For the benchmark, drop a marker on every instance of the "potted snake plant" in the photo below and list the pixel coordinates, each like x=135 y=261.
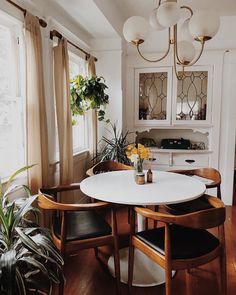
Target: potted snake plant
x=29 y=261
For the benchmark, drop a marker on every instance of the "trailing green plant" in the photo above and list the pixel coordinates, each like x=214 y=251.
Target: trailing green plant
x=114 y=147
x=29 y=261
x=88 y=93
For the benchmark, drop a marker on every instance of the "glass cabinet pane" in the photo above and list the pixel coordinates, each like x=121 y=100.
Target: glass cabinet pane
x=153 y=96
x=192 y=96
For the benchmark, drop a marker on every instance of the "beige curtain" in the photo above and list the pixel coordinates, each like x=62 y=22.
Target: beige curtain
x=37 y=135
x=63 y=110
x=93 y=140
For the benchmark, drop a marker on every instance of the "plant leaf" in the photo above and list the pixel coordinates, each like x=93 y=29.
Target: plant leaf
x=16 y=173
x=20 y=282
x=8 y=270
x=23 y=210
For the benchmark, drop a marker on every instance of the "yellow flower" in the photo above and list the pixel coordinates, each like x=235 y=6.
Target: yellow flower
x=134 y=151
x=130 y=147
x=141 y=146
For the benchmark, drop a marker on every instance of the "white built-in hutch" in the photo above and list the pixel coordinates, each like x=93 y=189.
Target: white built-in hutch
x=164 y=107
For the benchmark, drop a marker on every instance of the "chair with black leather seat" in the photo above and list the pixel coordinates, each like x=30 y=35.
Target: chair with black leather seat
x=80 y=226
x=214 y=181
x=107 y=166
x=183 y=242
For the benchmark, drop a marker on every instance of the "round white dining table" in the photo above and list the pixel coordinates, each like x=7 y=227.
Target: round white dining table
x=119 y=187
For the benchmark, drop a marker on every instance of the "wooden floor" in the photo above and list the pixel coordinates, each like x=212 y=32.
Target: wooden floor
x=87 y=276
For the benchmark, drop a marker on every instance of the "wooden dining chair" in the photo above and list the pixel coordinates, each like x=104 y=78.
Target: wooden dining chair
x=214 y=178
x=183 y=242
x=107 y=166
x=80 y=226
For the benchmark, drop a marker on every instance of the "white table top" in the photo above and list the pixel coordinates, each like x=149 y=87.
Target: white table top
x=120 y=187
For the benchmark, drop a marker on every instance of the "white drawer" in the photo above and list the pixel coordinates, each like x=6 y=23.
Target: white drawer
x=160 y=158
x=191 y=160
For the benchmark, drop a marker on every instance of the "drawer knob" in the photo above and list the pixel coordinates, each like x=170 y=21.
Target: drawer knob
x=190 y=161
x=152 y=159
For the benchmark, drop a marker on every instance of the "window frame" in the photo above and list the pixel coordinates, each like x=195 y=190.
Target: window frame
x=73 y=57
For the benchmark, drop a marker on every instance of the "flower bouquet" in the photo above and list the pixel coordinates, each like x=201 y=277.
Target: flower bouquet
x=137 y=156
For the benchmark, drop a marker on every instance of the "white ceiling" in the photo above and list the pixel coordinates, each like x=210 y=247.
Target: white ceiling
x=144 y=7
x=88 y=15
x=95 y=21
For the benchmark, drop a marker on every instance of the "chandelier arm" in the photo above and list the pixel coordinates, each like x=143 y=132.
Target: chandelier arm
x=179 y=77
x=177 y=59
x=188 y=8
x=159 y=59
x=199 y=55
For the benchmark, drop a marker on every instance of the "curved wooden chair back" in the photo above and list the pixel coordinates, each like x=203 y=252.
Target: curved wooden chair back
x=209 y=173
x=204 y=219
x=107 y=166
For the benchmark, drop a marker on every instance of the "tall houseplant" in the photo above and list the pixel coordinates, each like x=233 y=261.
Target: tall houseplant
x=114 y=147
x=88 y=93
x=29 y=261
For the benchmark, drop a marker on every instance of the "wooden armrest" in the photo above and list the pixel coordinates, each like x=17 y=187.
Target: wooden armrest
x=214 y=201
x=45 y=203
x=207 y=218
x=89 y=172
x=60 y=188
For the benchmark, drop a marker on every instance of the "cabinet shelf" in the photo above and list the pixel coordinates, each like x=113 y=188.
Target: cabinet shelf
x=180 y=151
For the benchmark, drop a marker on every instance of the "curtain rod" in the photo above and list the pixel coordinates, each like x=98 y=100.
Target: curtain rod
x=55 y=33
x=41 y=21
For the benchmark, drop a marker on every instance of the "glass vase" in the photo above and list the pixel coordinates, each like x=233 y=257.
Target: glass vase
x=138 y=172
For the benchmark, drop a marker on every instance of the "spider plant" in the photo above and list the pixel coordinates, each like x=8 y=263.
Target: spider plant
x=114 y=147
x=29 y=261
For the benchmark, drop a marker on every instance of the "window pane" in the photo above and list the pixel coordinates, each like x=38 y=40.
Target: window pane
x=80 y=130
x=12 y=155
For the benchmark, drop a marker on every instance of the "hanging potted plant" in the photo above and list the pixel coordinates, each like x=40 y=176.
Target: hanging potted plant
x=88 y=93
x=29 y=261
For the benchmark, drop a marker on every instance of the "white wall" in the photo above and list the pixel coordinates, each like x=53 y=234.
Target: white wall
x=228 y=126
x=109 y=65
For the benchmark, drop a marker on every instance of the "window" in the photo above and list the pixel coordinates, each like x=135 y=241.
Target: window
x=12 y=103
x=80 y=130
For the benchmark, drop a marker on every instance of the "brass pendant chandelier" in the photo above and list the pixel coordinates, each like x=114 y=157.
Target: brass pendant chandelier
x=199 y=26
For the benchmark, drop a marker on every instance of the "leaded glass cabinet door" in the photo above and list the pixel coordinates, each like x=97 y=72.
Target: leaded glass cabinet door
x=192 y=96
x=153 y=96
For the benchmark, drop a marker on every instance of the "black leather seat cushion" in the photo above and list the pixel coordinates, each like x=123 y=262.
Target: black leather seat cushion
x=190 y=206
x=186 y=243
x=82 y=225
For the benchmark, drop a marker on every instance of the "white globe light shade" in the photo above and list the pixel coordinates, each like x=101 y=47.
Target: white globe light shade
x=168 y=14
x=135 y=28
x=185 y=33
x=204 y=24
x=153 y=21
x=186 y=51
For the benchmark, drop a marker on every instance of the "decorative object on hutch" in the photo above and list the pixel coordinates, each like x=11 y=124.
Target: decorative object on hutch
x=199 y=26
